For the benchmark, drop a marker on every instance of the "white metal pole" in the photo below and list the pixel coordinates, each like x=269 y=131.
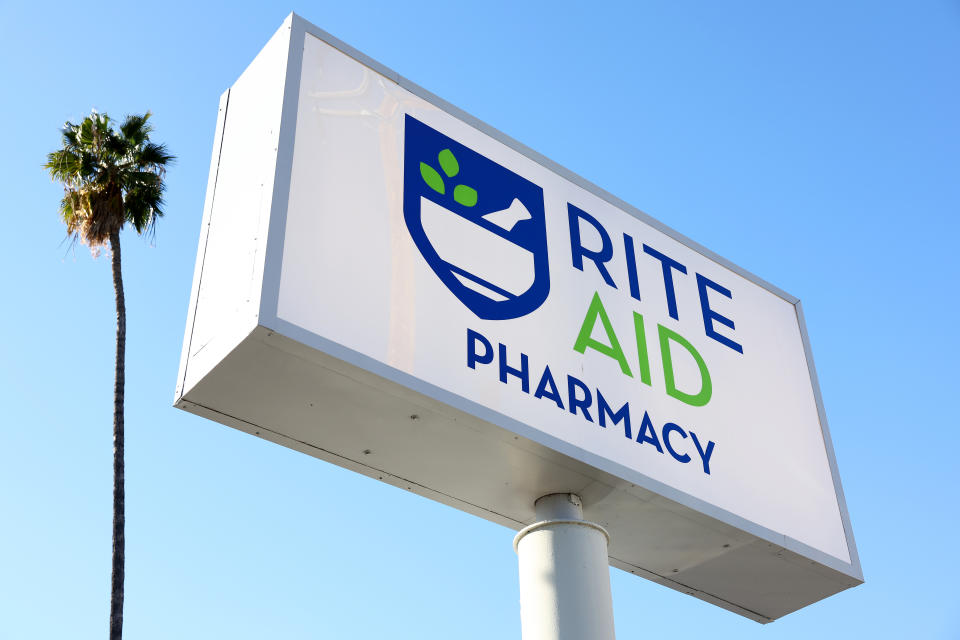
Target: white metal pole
x=564 y=574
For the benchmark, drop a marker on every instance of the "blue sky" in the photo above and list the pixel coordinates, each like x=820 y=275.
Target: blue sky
x=815 y=144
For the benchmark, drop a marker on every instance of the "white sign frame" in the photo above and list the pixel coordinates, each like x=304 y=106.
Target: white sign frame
x=241 y=322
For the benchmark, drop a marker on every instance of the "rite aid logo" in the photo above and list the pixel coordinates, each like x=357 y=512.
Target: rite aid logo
x=479 y=226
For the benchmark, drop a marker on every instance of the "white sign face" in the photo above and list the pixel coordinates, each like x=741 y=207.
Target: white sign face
x=423 y=243
x=388 y=284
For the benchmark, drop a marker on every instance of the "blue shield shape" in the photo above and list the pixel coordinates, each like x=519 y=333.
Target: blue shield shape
x=479 y=226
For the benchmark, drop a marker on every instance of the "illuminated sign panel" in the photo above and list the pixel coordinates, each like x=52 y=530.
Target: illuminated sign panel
x=390 y=285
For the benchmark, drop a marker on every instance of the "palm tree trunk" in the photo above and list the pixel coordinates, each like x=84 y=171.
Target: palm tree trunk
x=117 y=575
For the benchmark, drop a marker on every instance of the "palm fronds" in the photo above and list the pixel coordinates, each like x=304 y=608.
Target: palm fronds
x=110 y=176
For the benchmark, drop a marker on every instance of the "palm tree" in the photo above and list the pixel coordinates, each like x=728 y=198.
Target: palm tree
x=111 y=177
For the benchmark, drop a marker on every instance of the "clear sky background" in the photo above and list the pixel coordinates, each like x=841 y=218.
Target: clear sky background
x=816 y=144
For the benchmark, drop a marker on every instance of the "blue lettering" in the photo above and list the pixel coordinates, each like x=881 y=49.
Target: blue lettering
x=704 y=455
x=709 y=315
x=648 y=433
x=546 y=380
x=474 y=358
x=573 y=402
x=631 y=256
x=603 y=409
x=668 y=264
x=580 y=400
x=578 y=252
x=523 y=372
x=667 y=430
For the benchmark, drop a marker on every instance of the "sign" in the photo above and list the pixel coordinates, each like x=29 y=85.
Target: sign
x=386 y=283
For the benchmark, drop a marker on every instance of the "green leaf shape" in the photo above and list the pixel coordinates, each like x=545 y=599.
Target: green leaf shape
x=467 y=196
x=432 y=178
x=448 y=163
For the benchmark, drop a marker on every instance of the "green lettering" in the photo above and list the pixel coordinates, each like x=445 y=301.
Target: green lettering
x=706 y=387
x=642 y=348
x=585 y=340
